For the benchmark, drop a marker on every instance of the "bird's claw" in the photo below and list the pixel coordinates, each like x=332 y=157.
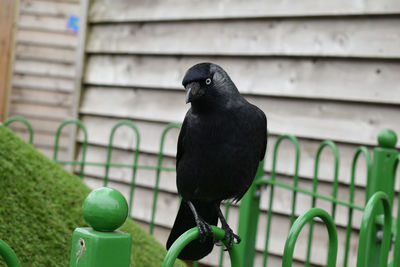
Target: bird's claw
x=232 y=237
x=204 y=229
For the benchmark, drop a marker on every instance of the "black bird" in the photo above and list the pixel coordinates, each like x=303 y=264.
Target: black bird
x=222 y=140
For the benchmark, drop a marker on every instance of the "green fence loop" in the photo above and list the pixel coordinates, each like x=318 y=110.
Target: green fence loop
x=135 y=159
x=360 y=150
x=24 y=121
x=84 y=144
x=273 y=177
x=368 y=222
x=193 y=234
x=296 y=229
x=332 y=145
x=8 y=255
x=158 y=172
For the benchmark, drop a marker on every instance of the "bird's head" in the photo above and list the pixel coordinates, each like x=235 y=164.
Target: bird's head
x=207 y=82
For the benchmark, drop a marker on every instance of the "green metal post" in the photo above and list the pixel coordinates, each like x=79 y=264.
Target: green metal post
x=396 y=252
x=105 y=209
x=248 y=219
x=381 y=179
x=8 y=255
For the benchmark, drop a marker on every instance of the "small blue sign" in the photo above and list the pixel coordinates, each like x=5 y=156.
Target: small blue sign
x=73 y=23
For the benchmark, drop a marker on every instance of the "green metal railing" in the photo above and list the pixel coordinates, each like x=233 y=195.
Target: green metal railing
x=260 y=181
x=298 y=226
x=193 y=234
x=367 y=224
x=84 y=145
x=8 y=255
x=380 y=172
x=135 y=157
x=24 y=121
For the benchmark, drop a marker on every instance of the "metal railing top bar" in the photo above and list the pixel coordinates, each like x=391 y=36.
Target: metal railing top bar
x=193 y=234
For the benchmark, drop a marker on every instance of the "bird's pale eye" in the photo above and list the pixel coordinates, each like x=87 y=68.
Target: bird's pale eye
x=208 y=81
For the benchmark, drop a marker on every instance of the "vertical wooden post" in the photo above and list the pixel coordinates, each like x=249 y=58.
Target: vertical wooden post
x=8 y=23
x=80 y=66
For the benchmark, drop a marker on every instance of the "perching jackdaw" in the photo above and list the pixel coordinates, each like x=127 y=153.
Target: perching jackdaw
x=222 y=140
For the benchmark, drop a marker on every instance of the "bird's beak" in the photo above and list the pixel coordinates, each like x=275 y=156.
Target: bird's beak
x=188 y=90
x=193 y=91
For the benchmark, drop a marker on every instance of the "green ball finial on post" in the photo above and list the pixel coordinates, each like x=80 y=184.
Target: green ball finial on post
x=387 y=138
x=105 y=209
x=101 y=245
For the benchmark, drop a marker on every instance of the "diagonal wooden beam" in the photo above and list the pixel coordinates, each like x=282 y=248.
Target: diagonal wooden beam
x=8 y=25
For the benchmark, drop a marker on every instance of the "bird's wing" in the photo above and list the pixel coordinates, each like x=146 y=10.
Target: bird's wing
x=182 y=134
x=263 y=151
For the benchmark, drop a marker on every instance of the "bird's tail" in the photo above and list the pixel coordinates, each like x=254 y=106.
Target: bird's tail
x=185 y=221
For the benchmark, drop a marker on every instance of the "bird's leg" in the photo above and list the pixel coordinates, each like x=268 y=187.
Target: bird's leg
x=204 y=228
x=228 y=231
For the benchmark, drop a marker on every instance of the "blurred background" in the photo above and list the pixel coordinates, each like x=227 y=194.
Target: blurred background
x=318 y=69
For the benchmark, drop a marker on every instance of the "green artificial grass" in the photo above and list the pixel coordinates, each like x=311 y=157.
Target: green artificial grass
x=41 y=205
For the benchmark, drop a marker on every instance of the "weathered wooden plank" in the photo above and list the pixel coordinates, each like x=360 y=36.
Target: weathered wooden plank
x=134 y=103
x=54 y=8
x=144 y=177
x=99 y=129
x=39 y=111
x=291 y=77
x=43 y=140
x=126 y=10
x=39 y=125
x=280 y=224
x=359 y=123
x=44 y=23
x=43 y=53
x=48 y=69
x=48 y=152
x=24 y=95
x=51 y=39
x=344 y=37
x=43 y=82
